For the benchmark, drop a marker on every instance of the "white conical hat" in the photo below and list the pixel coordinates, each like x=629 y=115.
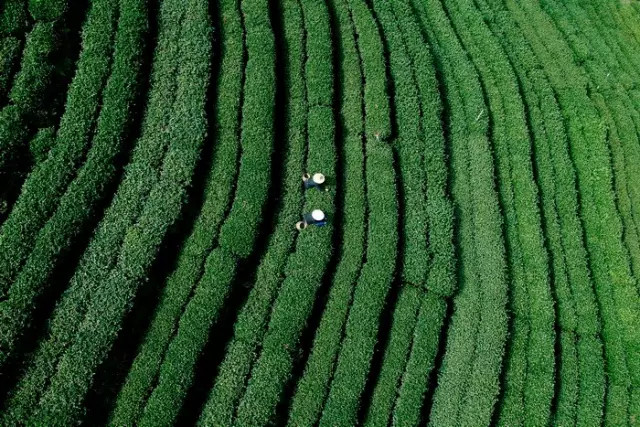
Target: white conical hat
x=317 y=214
x=318 y=178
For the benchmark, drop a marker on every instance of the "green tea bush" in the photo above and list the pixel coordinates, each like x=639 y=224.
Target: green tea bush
x=292 y=307
x=529 y=390
x=577 y=310
x=360 y=334
x=191 y=259
x=141 y=175
x=312 y=387
x=615 y=286
x=62 y=399
x=47 y=183
x=252 y=321
x=256 y=139
x=483 y=285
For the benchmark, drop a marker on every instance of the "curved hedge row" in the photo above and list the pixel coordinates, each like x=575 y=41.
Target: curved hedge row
x=616 y=109
x=483 y=286
x=252 y=321
x=87 y=189
x=609 y=99
x=13 y=130
x=376 y=103
x=407 y=376
x=29 y=97
x=36 y=68
x=273 y=367
x=353 y=358
x=626 y=15
x=141 y=175
x=421 y=362
x=14 y=18
x=47 y=10
x=239 y=231
x=361 y=329
x=178 y=367
x=107 y=306
x=441 y=272
x=302 y=280
x=41 y=144
x=614 y=284
x=610 y=25
x=292 y=306
x=191 y=259
x=396 y=356
x=312 y=387
x=581 y=373
x=614 y=81
x=624 y=118
x=441 y=280
x=410 y=150
x=529 y=383
x=318 y=68
x=10 y=48
x=47 y=183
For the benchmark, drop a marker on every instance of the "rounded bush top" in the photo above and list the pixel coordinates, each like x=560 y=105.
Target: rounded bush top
x=47 y=10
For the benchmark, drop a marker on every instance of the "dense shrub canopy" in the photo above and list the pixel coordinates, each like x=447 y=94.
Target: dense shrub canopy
x=480 y=259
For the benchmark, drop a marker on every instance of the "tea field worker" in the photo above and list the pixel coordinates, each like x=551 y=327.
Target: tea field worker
x=315 y=217
x=317 y=180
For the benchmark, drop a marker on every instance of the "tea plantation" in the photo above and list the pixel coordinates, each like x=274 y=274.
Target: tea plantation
x=320 y=212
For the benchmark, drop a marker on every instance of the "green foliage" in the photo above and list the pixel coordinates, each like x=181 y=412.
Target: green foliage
x=475 y=344
x=10 y=48
x=47 y=10
x=46 y=184
x=32 y=86
x=193 y=254
x=41 y=144
x=439 y=209
x=60 y=402
x=617 y=110
x=318 y=69
x=46 y=215
x=240 y=229
x=412 y=71
x=14 y=19
x=313 y=386
x=292 y=306
x=421 y=362
x=177 y=369
x=614 y=285
x=405 y=315
x=529 y=389
x=28 y=96
x=376 y=102
x=618 y=113
x=141 y=175
x=354 y=358
x=252 y=321
x=13 y=130
x=301 y=279
x=410 y=150
x=526 y=114
x=177 y=372
x=577 y=310
x=36 y=69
